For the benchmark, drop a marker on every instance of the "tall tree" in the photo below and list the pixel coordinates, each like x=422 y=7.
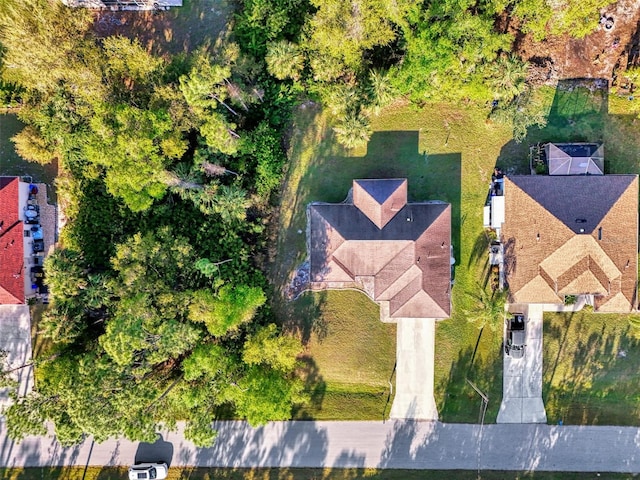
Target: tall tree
x=354 y=131
x=284 y=60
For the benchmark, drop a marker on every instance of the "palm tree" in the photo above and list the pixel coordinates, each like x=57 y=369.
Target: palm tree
x=379 y=90
x=508 y=77
x=354 y=131
x=488 y=309
x=284 y=60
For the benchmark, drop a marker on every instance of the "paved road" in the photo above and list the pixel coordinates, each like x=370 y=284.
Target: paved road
x=394 y=444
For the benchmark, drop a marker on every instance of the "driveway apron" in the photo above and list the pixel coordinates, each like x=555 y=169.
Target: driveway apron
x=522 y=377
x=414 y=370
x=15 y=343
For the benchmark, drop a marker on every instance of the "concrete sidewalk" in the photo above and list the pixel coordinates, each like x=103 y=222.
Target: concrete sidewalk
x=394 y=444
x=15 y=341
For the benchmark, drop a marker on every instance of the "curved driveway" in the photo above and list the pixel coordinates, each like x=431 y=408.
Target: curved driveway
x=394 y=444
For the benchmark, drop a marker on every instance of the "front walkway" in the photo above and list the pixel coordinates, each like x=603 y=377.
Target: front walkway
x=414 y=370
x=522 y=377
x=15 y=343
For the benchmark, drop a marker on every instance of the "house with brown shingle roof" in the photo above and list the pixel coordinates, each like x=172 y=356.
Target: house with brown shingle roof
x=572 y=235
x=397 y=252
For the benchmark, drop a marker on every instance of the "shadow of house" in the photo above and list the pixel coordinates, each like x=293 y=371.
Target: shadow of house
x=389 y=154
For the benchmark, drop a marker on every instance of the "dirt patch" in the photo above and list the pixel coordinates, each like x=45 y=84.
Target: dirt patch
x=181 y=29
x=602 y=54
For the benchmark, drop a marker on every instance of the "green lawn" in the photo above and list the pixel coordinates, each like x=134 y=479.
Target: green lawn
x=95 y=473
x=590 y=369
x=448 y=153
x=351 y=360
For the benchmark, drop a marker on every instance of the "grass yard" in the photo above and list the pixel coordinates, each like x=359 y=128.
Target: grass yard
x=352 y=360
x=97 y=473
x=590 y=369
x=448 y=153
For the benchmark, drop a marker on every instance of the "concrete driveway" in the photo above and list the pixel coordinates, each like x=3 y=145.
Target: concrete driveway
x=15 y=342
x=522 y=378
x=415 y=347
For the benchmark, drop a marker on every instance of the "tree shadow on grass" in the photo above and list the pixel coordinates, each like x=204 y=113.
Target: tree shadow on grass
x=593 y=377
x=390 y=154
x=482 y=365
x=314 y=386
x=303 y=316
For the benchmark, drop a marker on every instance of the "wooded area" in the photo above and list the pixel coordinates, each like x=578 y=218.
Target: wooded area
x=170 y=169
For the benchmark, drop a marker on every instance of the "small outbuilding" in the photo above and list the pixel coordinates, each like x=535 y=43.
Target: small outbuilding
x=575 y=158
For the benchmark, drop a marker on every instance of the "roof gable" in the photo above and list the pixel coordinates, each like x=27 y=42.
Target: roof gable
x=579 y=202
x=380 y=200
x=396 y=264
x=546 y=259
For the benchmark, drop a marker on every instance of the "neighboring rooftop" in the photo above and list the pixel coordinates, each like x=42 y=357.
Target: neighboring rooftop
x=398 y=253
x=572 y=235
x=125 y=4
x=575 y=158
x=12 y=283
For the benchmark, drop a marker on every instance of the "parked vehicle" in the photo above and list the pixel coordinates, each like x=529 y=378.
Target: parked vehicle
x=148 y=471
x=36 y=232
x=32 y=214
x=516 y=336
x=38 y=246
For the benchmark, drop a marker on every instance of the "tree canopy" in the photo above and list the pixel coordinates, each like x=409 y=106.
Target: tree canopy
x=170 y=168
x=156 y=295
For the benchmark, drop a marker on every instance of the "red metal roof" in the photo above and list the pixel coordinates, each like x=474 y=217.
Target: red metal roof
x=11 y=243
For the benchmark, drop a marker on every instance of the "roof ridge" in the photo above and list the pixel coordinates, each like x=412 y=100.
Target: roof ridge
x=410 y=245
x=412 y=284
x=335 y=260
x=409 y=274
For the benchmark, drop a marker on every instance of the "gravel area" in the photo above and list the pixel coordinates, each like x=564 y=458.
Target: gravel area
x=48 y=219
